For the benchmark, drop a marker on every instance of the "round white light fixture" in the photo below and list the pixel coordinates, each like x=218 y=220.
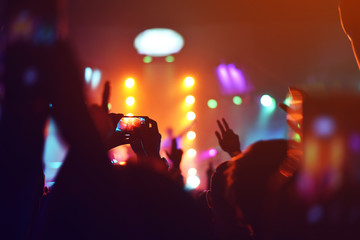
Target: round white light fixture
x=158 y=42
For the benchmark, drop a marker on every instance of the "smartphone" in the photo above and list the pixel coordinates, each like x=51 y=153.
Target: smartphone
x=128 y=124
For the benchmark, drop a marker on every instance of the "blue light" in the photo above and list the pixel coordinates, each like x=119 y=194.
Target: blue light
x=96 y=78
x=267 y=101
x=324 y=126
x=88 y=74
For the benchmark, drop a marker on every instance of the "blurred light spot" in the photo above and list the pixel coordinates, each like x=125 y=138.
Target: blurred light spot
x=192 y=171
x=114 y=161
x=192 y=182
x=130 y=101
x=122 y=163
x=50 y=105
x=315 y=214
x=212 y=103
x=88 y=74
x=147 y=59
x=191 y=153
x=212 y=152
x=50 y=184
x=191 y=135
x=129 y=114
x=354 y=142
x=109 y=106
x=267 y=101
x=189 y=82
x=191 y=116
x=54 y=164
x=96 y=78
x=324 y=126
x=237 y=100
x=30 y=77
x=190 y=100
x=169 y=59
x=129 y=83
x=158 y=42
x=297 y=137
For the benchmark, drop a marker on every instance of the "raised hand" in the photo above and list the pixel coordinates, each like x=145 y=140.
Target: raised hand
x=175 y=155
x=228 y=140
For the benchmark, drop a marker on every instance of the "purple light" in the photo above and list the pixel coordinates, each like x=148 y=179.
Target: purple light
x=232 y=79
x=354 y=142
x=238 y=78
x=212 y=152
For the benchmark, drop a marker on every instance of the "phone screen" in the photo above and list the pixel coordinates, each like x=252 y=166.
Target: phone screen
x=129 y=123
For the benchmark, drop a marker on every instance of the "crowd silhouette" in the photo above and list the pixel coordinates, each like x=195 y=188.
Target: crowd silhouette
x=252 y=195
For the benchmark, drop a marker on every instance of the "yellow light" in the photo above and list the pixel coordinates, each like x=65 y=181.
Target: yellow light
x=130 y=82
x=109 y=106
x=189 y=82
x=191 y=153
x=129 y=115
x=190 y=100
x=122 y=163
x=130 y=101
x=191 y=135
x=191 y=116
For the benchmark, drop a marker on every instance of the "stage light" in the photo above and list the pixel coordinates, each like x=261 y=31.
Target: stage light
x=109 y=106
x=191 y=116
x=324 y=126
x=129 y=83
x=158 y=42
x=55 y=165
x=237 y=100
x=147 y=59
x=191 y=153
x=96 y=78
x=191 y=135
x=190 y=100
x=192 y=171
x=169 y=59
x=212 y=103
x=88 y=74
x=129 y=115
x=122 y=163
x=192 y=182
x=130 y=101
x=267 y=101
x=212 y=152
x=189 y=82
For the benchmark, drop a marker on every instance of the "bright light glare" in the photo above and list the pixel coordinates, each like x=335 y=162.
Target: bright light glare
x=129 y=115
x=130 y=101
x=192 y=171
x=212 y=152
x=122 y=163
x=191 y=116
x=129 y=83
x=191 y=153
x=190 y=100
x=88 y=74
x=158 y=42
x=212 y=103
x=189 y=82
x=267 y=101
x=192 y=182
x=96 y=78
x=191 y=135
x=237 y=100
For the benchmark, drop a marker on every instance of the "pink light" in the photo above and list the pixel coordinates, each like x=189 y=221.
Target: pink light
x=212 y=152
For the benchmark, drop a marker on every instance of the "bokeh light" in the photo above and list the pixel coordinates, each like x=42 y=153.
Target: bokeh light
x=169 y=59
x=191 y=153
x=147 y=59
x=129 y=83
x=212 y=103
x=191 y=135
x=192 y=182
x=267 y=101
x=109 y=106
x=190 y=100
x=129 y=115
x=237 y=100
x=88 y=74
x=212 y=152
x=130 y=101
x=192 y=171
x=191 y=116
x=189 y=82
x=96 y=78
